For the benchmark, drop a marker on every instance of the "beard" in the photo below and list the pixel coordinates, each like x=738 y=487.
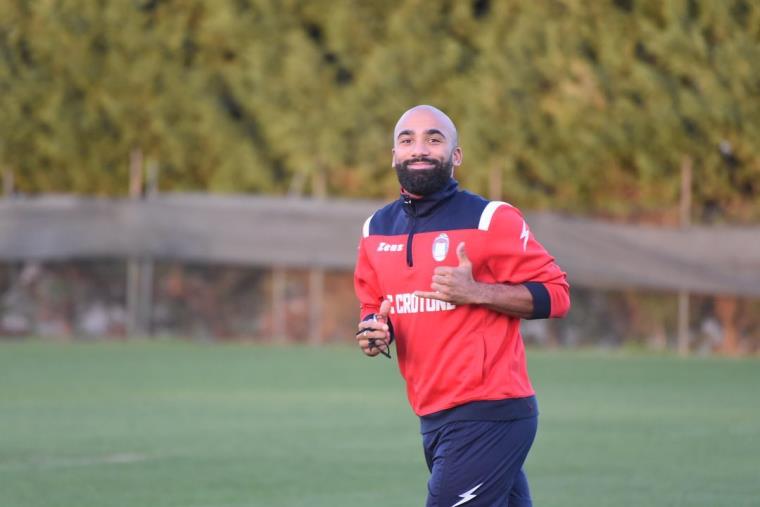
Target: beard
x=424 y=181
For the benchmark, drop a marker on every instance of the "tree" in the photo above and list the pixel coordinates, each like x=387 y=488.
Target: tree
x=577 y=105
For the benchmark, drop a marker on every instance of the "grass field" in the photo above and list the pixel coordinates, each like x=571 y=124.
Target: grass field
x=179 y=424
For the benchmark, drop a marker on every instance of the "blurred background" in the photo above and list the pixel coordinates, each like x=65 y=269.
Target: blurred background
x=201 y=169
x=183 y=188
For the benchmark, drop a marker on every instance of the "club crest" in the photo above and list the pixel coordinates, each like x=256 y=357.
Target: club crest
x=440 y=247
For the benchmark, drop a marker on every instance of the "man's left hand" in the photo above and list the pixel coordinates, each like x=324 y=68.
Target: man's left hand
x=454 y=284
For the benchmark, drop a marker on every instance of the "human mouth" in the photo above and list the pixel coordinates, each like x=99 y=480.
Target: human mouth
x=421 y=164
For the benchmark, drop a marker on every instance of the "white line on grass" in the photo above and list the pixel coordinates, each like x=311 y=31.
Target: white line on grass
x=82 y=461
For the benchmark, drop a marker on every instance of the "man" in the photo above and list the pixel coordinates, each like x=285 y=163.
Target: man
x=448 y=275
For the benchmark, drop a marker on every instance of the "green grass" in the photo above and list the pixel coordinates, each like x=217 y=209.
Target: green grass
x=178 y=424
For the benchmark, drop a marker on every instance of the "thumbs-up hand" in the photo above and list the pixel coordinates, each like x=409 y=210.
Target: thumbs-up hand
x=385 y=309
x=462 y=256
x=454 y=284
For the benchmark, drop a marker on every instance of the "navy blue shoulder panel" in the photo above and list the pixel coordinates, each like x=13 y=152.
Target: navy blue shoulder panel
x=461 y=211
x=390 y=220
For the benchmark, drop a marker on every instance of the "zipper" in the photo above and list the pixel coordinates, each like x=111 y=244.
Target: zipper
x=410 y=237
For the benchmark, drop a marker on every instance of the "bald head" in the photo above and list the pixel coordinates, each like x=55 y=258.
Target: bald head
x=425 y=150
x=431 y=116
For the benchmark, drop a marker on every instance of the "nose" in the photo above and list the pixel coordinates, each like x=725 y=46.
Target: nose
x=420 y=149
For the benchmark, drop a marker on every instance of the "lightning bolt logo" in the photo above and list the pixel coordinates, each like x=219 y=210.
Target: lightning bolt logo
x=524 y=235
x=467 y=496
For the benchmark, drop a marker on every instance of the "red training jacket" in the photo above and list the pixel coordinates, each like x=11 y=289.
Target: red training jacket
x=452 y=355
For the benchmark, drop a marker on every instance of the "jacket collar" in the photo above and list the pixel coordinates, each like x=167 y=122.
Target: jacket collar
x=421 y=206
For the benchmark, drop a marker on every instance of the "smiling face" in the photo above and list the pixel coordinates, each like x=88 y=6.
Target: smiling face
x=425 y=150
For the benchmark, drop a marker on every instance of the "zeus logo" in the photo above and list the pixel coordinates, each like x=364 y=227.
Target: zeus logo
x=467 y=496
x=388 y=247
x=524 y=235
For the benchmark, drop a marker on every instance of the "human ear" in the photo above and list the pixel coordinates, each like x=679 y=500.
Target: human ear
x=457 y=156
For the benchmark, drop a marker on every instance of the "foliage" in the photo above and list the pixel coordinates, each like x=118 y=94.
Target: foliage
x=581 y=105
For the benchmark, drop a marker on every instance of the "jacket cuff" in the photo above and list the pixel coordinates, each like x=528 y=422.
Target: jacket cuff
x=542 y=303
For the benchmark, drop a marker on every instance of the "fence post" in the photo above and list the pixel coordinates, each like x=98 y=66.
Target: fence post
x=684 y=337
x=134 y=324
x=279 y=281
x=495 y=182
x=8 y=183
x=316 y=296
x=147 y=265
x=319 y=184
x=683 y=323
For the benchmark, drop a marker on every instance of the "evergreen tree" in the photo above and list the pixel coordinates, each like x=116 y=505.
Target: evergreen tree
x=579 y=105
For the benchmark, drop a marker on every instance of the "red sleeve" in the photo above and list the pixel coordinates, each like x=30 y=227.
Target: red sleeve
x=516 y=257
x=366 y=285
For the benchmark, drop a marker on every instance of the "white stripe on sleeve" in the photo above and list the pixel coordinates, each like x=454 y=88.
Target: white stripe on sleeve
x=487 y=215
x=365 y=228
